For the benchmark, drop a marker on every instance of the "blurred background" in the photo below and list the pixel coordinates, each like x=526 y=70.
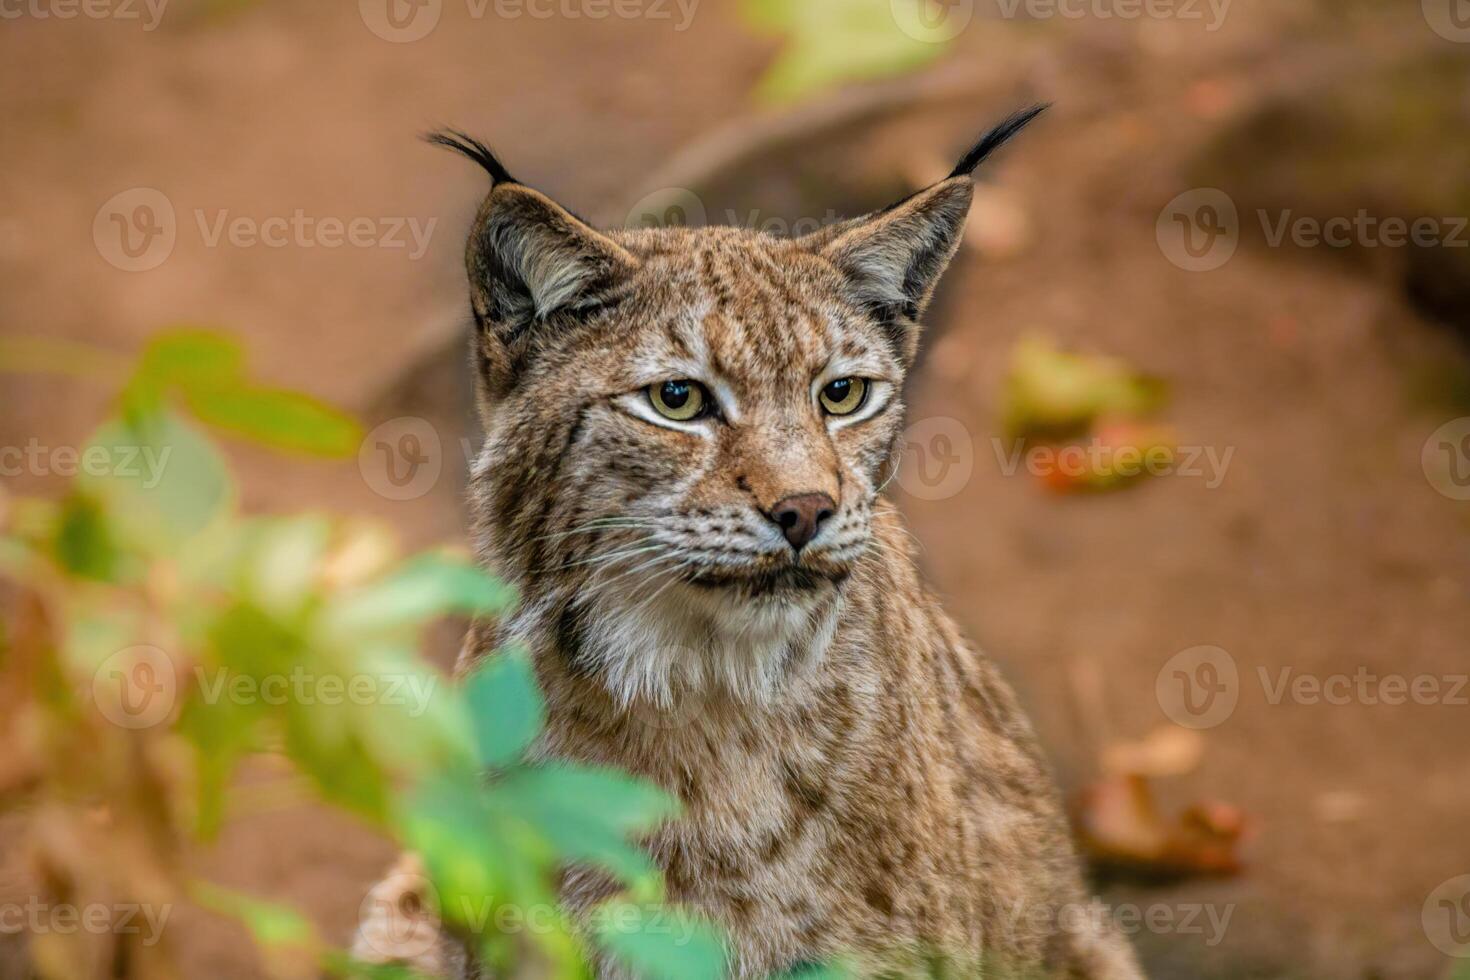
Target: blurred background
x=1190 y=453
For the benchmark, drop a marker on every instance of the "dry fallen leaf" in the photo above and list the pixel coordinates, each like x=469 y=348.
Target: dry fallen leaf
x=1169 y=750
x=1115 y=455
x=1121 y=827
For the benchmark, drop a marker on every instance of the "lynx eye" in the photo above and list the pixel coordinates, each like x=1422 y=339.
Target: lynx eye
x=682 y=400
x=844 y=396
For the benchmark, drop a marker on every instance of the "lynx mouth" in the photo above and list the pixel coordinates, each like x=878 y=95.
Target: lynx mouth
x=786 y=580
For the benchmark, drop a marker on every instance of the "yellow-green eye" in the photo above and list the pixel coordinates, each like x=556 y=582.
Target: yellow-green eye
x=844 y=396
x=681 y=401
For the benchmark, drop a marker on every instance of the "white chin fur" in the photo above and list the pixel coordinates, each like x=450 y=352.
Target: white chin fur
x=692 y=640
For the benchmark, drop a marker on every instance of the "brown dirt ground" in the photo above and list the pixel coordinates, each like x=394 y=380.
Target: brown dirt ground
x=1324 y=549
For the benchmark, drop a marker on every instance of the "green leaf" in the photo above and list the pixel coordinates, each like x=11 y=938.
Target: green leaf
x=323 y=740
x=816 y=971
x=612 y=799
x=178 y=358
x=272 y=924
x=222 y=732
x=468 y=857
x=833 y=41
x=278 y=562
x=770 y=16
x=505 y=708
x=587 y=814
x=339 y=964
x=83 y=542
x=429 y=586
x=207 y=369
x=276 y=418
x=660 y=943
x=190 y=357
x=1055 y=392
x=159 y=481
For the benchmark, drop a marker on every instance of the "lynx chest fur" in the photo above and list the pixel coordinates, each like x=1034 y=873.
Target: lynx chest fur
x=687 y=437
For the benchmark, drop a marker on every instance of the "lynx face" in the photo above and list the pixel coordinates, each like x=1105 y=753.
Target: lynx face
x=734 y=415
x=687 y=430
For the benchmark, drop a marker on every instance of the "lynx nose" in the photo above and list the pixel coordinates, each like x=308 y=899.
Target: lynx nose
x=800 y=516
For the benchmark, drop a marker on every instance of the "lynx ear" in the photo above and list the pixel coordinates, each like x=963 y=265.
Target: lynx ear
x=529 y=260
x=893 y=259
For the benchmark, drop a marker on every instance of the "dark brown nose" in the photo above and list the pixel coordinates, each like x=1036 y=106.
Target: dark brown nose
x=800 y=516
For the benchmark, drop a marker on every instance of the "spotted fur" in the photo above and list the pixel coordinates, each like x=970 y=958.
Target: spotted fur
x=856 y=780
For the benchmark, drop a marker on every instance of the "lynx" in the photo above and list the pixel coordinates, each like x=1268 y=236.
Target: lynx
x=687 y=435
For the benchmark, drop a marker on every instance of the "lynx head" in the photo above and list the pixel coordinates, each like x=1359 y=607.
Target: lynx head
x=686 y=430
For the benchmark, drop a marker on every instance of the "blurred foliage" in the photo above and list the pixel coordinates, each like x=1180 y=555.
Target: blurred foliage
x=828 y=42
x=151 y=618
x=1090 y=412
x=1054 y=392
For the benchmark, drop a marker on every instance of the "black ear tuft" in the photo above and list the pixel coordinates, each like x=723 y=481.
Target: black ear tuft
x=475 y=150
x=996 y=138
